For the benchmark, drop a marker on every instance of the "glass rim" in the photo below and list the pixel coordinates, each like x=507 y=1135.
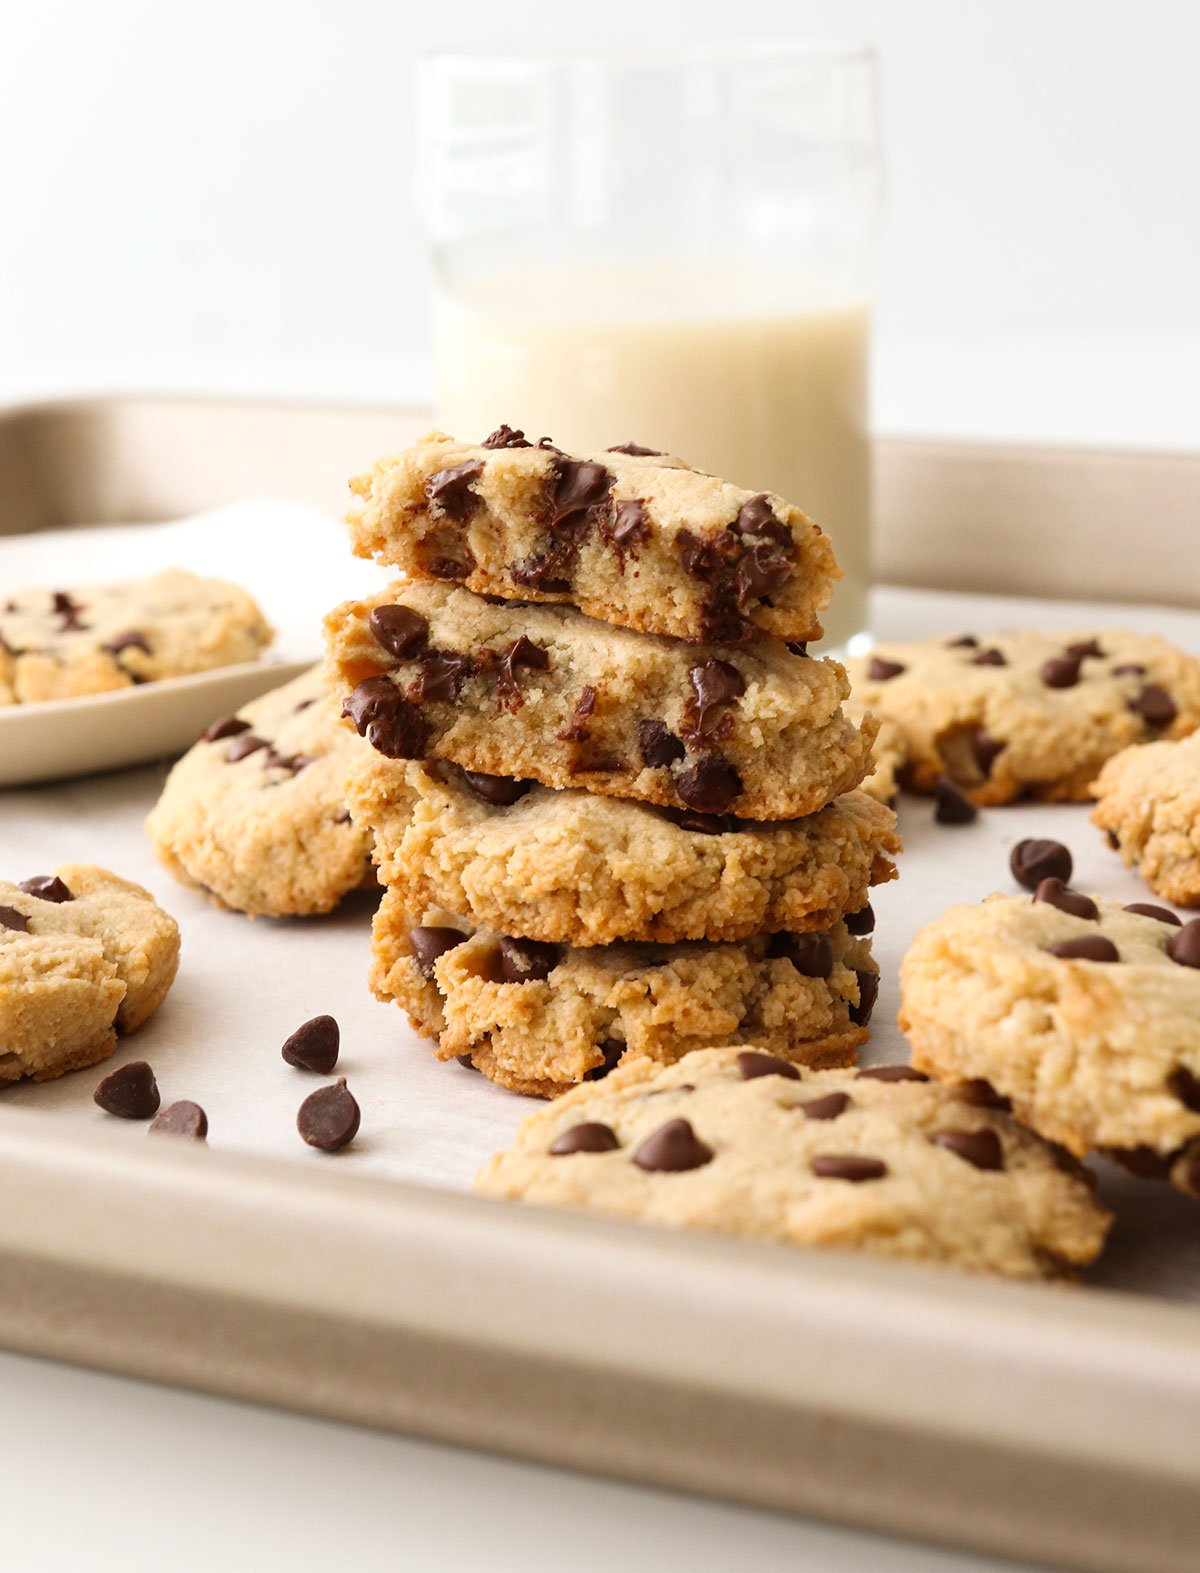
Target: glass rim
x=733 y=51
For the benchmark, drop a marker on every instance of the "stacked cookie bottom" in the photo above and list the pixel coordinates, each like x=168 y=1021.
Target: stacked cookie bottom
x=599 y=841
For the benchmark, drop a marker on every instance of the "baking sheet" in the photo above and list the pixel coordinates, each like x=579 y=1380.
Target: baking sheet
x=244 y=986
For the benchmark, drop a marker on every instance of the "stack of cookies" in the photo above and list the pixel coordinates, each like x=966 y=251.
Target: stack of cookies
x=613 y=799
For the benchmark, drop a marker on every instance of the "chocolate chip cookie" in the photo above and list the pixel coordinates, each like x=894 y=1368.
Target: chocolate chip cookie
x=1027 y=714
x=736 y=1141
x=538 y=1018
x=255 y=813
x=1083 y=1015
x=630 y=536
x=888 y=753
x=84 y=955
x=544 y=693
x=59 y=644
x=1149 y=803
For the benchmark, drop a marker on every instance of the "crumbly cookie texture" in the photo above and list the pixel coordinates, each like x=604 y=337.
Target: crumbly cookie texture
x=636 y=539
x=60 y=644
x=84 y=955
x=582 y=870
x=1149 y=803
x=1096 y=1046
x=545 y=693
x=729 y=1141
x=1027 y=714
x=888 y=754
x=255 y=813
x=540 y=1018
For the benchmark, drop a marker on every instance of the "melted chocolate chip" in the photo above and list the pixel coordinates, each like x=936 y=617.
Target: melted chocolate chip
x=1149 y=910
x=711 y=785
x=329 y=1118
x=294 y=763
x=636 y=451
x=700 y=824
x=982 y=1095
x=890 y=1073
x=612 y=1049
x=757 y=517
x=847 y=1166
x=798 y=646
x=1056 y=894
x=1143 y=1162
x=580 y=485
x=506 y=437
x=1184 y=1084
x=428 y=942
x=527 y=960
x=868 y=993
x=591 y=1136
x=400 y=630
x=714 y=685
x=1154 y=705
x=450 y=490
x=47 y=887
x=1032 y=861
x=389 y=722
x=860 y=922
x=314 y=1045
x=577 y=729
x=810 y=954
x=628 y=529
x=1083 y=650
x=751 y=1064
x=952 y=806
x=129 y=640
x=981 y=1149
x=451 y=567
x=826 y=1108
x=991 y=657
x=522 y=652
x=130 y=1092
x=986 y=750
x=499 y=791
x=1087 y=947
x=760 y=573
x=245 y=744
x=881 y=671
x=183 y=1118
x=658 y=746
x=671 y=1149
x=1061 y=671
x=10 y=918
x=227 y=726
x=1184 y=947
x=441 y=677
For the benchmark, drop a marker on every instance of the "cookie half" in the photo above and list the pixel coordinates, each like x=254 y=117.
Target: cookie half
x=1148 y=800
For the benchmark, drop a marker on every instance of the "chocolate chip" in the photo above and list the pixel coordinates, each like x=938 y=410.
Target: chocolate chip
x=545 y=443
x=10 y=918
x=982 y=1095
x=628 y=529
x=591 y=1136
x=1032 y=861
x=700 y=824
x=294 y=763
x=467 y=1063
x=183 y=1118
x=427 y=942
x=314 y=1045
x=580 y=485
x=329 y=1118
x=1087 y=947
x=1056 y=894
x=860 y=922
x=1130 y=669
x=952 y=806
x=527 y=960
x=129 y=640
x=798 y=646
x=714 y=685
x=672 y=1148
x=243 y=745
x=1089 y=647
x=400 y=630
x=451 y=490
x=881 y=671
x=506 y=437
x=981 y=1149
x=69 y=611
x=890 y=1073
x=499 y=791
x=546 y=570
x=1184 y=947
x=810 y=954
x=441 y=677
x=991 y=657
x=636 y=451
x=963 y=642
x=130 y=1092
x=227 y=726
x=1143 y=1162
x=751 y=1063
x=760 y=573
x=868 y=993
x=522 y=652
x=1184 y=1084
x=451 y=567
x=577 y=729
x=1154 y=705
x=826 y=1108
x=712 y=785
x=757 y=517
x=658 y=746
x=612 y=1049
x=389 y=722
x=847 y=1166
x=1061 y=671
x=47 y=887
x=1113 y=840
x=1149 y=910
x=986 y=750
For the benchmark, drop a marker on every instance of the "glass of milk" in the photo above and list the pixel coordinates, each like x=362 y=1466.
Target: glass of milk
x=668 y=246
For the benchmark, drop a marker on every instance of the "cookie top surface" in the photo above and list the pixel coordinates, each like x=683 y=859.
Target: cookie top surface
x=1148 y=799
x=255 y=812
x=1027 y=713
x=1097 y=1047
x=840 y=1158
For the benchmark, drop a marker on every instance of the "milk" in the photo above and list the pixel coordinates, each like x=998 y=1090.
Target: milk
x=750 y=376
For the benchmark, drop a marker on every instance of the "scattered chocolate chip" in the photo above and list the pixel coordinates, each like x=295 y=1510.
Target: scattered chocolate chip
x=400 y=630
x=714 y=685
x=711 y=785
x=499 y=791
x=982 y=1095
x=986 y=750
x=810 y=954
x=991 y=657
x=1061 y=671
x=1086 y=947
x=10 y=918
x=963 y=642
x=1149 y=910
x=952 y=806
x=1184 y=947
x=47 y=887
x=451 y=489
x=130 y=1092
x=389 y=722
x=591 y=1136
x=1032 y=861
x=576 y=729
x=427 y=942
x=868 y=993
x=1154 y=705
x=1088 y=648
x=183 y=1118
x=612 y=1049
x=527 y=960
x=245 y=744
x=826 y=1108
x=441 y=677
x=1055 y=893
x=329 y=1118
x=1184 y=1084
x=628 y=529
x=522 y=652
x=1129 y=669
x=890 y=1072
x=506 y=437
x=751 y=1063
x=862 y=921
x=314 y=1045
x=129 y=640
x=671 y=1148
x=227 y=726
x=881 y=671
x=798 y=646
x=847 y=1166
x=636 y=451
x=981 y=1148
x=658 y=746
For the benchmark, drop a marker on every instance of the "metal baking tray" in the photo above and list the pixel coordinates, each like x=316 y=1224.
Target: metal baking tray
x=1049 y=1423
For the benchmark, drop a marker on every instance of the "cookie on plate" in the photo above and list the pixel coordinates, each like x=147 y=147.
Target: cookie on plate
x=255 y=812
x=630 y=536
x=544 y=693
x=60 y=644
x=583 y=870
x=1083 y=1015
x=84 y=955
x=1148 y=800
x=539 y=1018
x=736 y=1141
x=1027 y=714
